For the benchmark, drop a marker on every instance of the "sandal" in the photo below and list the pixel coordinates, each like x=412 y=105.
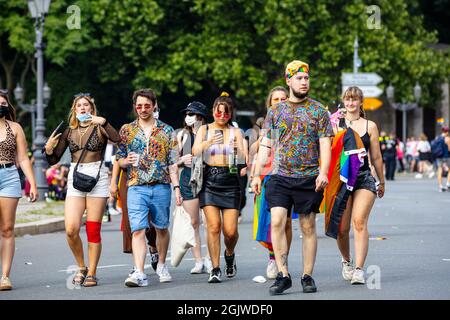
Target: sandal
x=80 y=276
x=90 y=281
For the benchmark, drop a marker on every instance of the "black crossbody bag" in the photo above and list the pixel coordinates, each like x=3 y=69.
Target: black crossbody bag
x=81 y=181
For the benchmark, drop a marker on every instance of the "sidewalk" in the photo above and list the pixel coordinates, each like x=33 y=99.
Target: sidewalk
x=38 y=217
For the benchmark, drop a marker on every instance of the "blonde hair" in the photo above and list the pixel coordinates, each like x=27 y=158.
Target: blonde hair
x=423 y=137
x=355 y=93
x=73 y=121
x=269 y=97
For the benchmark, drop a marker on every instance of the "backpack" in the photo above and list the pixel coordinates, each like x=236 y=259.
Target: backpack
x=437 y=147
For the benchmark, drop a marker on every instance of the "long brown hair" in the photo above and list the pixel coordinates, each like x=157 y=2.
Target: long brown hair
x=11 y=116
x=228 y=104
x=355 y=93
x=73 y=121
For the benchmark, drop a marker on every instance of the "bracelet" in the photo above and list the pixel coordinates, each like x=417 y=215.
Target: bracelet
x=175 y=187
x=263 y=145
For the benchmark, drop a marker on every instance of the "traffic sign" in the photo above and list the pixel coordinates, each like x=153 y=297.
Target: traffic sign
x=361 y=79
x=368 y=91
x=372 y=104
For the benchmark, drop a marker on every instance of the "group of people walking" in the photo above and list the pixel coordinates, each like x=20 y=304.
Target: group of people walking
x=301 y=162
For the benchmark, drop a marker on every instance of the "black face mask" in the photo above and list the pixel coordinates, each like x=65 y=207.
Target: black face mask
x=3 y=111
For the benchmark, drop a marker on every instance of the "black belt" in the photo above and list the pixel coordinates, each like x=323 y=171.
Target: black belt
x=217 y=170
x=6 y=165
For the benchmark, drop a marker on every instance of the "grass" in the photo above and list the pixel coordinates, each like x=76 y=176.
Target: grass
x=53 y=209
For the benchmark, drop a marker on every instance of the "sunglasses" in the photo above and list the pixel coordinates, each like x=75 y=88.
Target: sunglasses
x=4 y=91
x=145 y=106
x=224 y=115
x=82 y=94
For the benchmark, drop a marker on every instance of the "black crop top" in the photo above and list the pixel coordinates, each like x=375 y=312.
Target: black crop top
x=76 y=139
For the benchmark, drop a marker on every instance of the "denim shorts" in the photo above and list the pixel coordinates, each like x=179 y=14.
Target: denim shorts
x=10 y=183
x=154 y=198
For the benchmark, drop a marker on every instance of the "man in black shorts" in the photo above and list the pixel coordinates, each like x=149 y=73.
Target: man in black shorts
x=301 y=132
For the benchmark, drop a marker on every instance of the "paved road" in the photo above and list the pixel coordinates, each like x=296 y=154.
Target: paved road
x=413 y=262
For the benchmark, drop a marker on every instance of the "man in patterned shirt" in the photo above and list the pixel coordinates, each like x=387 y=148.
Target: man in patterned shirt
x=148 y=150
x=301 y=132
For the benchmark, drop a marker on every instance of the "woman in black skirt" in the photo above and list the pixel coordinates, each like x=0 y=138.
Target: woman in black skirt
x=222 y=149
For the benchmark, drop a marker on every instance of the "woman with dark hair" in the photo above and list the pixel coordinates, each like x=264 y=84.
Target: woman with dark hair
x=195 y=116
x=13 y=148
x=87 y=133
x=222 y=149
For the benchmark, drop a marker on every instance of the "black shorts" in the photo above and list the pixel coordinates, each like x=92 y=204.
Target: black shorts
x=366 y=181
x=286 y=192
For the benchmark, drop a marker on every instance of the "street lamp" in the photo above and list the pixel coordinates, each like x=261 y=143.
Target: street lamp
x=38 y=10
x=404 y=107
x=31 y=107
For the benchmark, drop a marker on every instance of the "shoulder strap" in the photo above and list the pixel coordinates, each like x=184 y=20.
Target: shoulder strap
x=84 y=151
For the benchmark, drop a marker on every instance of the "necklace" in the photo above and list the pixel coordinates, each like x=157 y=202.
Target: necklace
x=82 y=133
x=351 y=121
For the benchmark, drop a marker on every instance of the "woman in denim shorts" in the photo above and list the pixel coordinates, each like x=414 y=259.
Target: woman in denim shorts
x=195 y=114
x=13 y=145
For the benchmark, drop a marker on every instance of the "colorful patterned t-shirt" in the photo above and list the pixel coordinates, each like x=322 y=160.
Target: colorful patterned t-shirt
x=156 y=153
x=295 y=130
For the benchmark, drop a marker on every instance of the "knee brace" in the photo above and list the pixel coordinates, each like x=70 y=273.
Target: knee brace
x=93 y=231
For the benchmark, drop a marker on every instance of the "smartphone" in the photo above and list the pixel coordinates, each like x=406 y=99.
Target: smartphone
x=218 y=131
x=59 y=128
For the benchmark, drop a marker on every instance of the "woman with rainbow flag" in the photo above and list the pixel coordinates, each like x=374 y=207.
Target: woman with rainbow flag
x=352 y=190
x=261 y=217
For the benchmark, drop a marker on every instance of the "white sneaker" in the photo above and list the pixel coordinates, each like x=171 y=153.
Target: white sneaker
x=347 y=269
x=272 y=269
x=358 y=277
x=137 y=279
x=431 y=174
x=163 y=272
x=198 y=268
x=113 y=211
x=418 y=176
x=208 y=264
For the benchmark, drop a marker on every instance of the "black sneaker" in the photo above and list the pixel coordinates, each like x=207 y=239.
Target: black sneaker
x=281 y=284
x=214 y=276
x=308 y=284
x=231 y=269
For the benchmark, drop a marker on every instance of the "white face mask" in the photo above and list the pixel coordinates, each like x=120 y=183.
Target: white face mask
x=190 y=120
x=156 y=114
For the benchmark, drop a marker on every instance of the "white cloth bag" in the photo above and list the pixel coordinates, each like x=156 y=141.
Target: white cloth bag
x=183 y=235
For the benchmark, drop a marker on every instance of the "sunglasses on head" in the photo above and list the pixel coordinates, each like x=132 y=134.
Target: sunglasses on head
x=82 y=94
x=4 y=91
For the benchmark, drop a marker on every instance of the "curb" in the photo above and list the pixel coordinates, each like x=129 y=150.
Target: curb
x=39 y=227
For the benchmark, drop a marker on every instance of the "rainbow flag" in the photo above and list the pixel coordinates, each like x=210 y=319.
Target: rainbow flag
x=347 y=156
